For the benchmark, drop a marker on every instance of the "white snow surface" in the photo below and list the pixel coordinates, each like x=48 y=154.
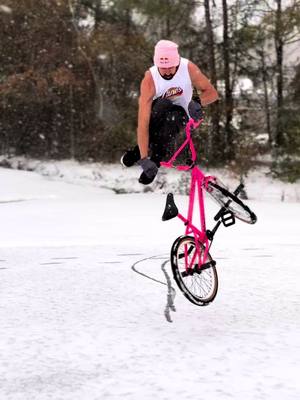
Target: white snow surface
x=84 y=284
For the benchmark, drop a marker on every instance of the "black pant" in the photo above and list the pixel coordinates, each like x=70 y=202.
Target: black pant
x=165 y=122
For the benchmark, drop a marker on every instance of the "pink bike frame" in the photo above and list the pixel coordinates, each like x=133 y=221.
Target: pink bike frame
x=198 y=181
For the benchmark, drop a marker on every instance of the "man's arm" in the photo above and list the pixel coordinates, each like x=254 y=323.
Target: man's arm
x=145 y=104
x=202 y=83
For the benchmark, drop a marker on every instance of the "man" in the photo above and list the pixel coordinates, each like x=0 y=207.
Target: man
x=165 y=105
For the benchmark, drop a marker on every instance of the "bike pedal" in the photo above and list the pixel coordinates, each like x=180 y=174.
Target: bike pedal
x=207 y=265
x=228 y=219
x=198 y=269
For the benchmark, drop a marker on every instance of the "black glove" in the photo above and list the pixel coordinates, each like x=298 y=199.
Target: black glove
x=195 y=110
x=149 y=167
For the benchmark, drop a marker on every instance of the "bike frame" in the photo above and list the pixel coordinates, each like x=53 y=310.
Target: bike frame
x=198 y=182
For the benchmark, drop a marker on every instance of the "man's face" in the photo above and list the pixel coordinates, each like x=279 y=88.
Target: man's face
x=167 y=73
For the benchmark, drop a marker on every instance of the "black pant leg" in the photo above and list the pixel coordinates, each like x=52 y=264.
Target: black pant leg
x=158 y=114
x=165 y=123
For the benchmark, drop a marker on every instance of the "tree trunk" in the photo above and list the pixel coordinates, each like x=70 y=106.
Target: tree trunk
x=216 y=143
x=98 y=13
x=279 y=139
x=72 y=136
x=266 y=97
x=229 y=150
x=168 y=22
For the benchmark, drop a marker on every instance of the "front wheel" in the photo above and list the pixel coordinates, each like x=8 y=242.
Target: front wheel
x=230 y=201
x=199 y=284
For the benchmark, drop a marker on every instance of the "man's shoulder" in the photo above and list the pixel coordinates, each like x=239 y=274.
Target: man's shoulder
x=147 y=83
x=184 y=60
x=148 y=77
x=194 y=70
x=192 y=65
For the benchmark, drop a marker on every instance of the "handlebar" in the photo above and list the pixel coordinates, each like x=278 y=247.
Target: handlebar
x=191 y=125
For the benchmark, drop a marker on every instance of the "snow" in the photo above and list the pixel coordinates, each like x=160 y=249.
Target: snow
x=5 y=9
x=259 y=183
x=85 y=284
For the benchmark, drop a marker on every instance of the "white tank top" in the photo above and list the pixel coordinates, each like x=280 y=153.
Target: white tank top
x=179 y=89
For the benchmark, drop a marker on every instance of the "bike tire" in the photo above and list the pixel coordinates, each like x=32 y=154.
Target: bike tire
x=230 y=201
x=199 y=288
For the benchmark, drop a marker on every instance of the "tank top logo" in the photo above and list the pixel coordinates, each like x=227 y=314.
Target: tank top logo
x=172 y=93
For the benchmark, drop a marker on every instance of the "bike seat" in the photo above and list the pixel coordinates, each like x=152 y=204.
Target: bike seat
x=171 y=211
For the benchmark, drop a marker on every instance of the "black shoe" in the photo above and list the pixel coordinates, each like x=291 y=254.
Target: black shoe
x=129 y=158
x=145 y=180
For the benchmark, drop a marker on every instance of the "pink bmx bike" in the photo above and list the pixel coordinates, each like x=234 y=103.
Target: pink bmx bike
x=193 y=268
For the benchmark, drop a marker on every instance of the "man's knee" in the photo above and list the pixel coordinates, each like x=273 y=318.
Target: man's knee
x=176 y=117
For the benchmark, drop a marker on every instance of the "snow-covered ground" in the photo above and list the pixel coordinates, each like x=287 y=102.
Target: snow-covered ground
x=259 y=183
x=85 y=309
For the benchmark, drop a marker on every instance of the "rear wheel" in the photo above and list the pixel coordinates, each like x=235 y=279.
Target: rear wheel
x=230 y=201
x=198 y=284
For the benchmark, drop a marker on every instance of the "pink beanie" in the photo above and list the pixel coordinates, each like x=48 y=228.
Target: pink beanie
x=166 y=54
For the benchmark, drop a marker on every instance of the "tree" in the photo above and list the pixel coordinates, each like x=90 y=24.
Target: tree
x=216 y=142
x=283 y=26
x=73 y=89
x=229 y=140
x=42 y=88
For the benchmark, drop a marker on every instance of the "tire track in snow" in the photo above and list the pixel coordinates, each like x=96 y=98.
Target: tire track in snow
x=171 y=293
